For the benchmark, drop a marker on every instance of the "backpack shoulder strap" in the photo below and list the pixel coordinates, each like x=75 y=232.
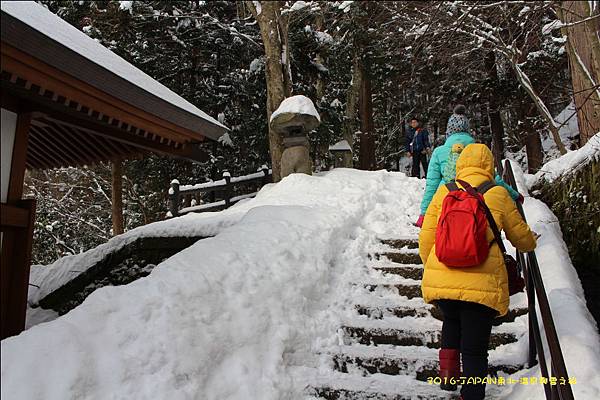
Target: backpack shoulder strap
x=488 y=213
x=484 y=187
x=452 y=186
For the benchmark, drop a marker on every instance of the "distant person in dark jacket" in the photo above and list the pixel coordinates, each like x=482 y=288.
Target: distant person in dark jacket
x=417 y=146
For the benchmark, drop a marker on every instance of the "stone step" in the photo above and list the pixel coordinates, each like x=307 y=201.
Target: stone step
x=378 y=312
x=410 y=291
x=405 y=337
x=413 y=361
x=328 y=393
x=336 y=385
x=400 y=258
x=415 y=273
x=402 y=243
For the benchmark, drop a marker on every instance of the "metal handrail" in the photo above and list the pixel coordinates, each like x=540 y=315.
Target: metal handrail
x=535 y=288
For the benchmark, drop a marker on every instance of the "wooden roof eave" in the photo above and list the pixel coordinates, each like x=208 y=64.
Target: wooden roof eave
x=47 y=111
x=43 y=75
x=18 y=34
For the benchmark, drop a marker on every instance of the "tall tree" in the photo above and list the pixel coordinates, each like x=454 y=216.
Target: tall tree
x=352 y=99
x=496 y=127
x=274 y=31
x=367 y=130
x=580 y=24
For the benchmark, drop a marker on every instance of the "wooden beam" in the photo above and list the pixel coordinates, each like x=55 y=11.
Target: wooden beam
x=14 y=270
x=19 y=157
x=42 y=74
x=37 y=154
x=190 y=151
x=53 y=147
x=9 y=102
x=13 y=217
x=87 y=124
x=68 y=137
x=32 y=161
x=42 y=149
x=88 y=144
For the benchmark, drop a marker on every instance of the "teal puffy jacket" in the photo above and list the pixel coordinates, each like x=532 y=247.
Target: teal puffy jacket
x=438 y=162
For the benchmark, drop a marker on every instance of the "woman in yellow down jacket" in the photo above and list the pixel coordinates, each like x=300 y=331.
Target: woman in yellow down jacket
x=470 y=298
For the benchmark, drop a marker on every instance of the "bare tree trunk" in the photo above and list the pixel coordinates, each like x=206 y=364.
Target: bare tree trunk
x=273 y=30
x=539 y=104
x=117 y=196
x=533 y=142
x=496 y=127
x=367 y=131
x=583 y=49
x=320 y=85
x=352 y=99
x=242 y=12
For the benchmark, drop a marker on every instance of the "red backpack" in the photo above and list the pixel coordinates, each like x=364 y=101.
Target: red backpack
x=460 y=237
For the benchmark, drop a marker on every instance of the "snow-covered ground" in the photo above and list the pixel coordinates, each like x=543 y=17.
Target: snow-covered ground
x=243 y=314
x=228 y=317
x=568 y=163
x=576 y=328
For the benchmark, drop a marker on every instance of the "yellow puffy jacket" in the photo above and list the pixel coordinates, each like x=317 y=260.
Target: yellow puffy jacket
x=487 y=283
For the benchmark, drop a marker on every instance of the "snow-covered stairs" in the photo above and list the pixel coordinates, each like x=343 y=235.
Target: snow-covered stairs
x=390 y=348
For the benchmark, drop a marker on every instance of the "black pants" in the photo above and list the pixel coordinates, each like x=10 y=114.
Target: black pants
x=419 y=159
x=467 y=326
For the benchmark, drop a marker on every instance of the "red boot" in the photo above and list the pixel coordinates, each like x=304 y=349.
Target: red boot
x=449 y=368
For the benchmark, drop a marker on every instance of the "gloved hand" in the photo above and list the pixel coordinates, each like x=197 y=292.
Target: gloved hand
x=520 y=199
x=420 y=221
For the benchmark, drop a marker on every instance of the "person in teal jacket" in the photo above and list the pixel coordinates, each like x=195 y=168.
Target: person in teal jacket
x=442 y=166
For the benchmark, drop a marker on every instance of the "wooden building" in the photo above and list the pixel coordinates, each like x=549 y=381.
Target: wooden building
x=69 y=101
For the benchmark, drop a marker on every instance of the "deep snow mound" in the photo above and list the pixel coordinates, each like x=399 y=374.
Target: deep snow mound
x=227 y=317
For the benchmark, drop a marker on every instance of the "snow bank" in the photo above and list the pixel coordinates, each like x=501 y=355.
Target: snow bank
x=229 y=317
x=569 y=162
x=576 y=328
x=48 y=278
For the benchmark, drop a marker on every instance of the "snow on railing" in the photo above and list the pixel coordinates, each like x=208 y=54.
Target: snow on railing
x=189 y=198
x=534 y=286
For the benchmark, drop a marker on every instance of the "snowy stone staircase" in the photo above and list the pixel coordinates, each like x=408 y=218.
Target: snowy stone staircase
x=390 y=349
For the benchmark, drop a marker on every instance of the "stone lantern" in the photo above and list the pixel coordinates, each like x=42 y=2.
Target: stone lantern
x=342 y=152
x=293 y=119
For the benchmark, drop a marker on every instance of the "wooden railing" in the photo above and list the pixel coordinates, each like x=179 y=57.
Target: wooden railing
x=16 y=225
x=534 y=284
x=217 y=195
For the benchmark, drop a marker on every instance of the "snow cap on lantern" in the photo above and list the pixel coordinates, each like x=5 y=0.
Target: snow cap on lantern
x=340 y=151
x=295 y=117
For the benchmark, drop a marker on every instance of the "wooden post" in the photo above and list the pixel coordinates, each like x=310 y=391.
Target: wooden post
x=187 y=200
x=117 y=196
x=16 y=239
x=174 y=197
x=16 y=260
x=227 y=190
x=265 y=178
